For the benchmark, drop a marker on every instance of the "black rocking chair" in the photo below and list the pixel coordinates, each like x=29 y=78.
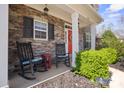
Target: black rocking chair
x=61 y=54
x=27 y=60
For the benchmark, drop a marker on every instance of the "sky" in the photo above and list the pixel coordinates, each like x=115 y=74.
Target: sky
x=113 y=16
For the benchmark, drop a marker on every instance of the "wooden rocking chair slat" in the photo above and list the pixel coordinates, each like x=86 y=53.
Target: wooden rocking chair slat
x=25 y=53
x=61 y=54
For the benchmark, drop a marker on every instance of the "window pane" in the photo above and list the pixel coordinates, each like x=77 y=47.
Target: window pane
x=40 y=25
x=87 y=42
x=40 y=34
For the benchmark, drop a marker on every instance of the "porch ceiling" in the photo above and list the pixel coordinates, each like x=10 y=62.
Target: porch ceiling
x=53 y=10
x=86 y=11
x=64 y=11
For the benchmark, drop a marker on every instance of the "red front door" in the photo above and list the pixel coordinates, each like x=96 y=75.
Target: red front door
x=70 y=41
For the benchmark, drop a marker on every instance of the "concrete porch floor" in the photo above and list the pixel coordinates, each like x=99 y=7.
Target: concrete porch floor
x=17 y=81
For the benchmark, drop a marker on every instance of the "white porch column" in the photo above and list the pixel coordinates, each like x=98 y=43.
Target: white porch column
x=4 y=45
x=75 y=37
x=93 y=36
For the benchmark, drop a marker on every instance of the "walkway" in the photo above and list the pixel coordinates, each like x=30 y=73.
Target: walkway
x=117 y=75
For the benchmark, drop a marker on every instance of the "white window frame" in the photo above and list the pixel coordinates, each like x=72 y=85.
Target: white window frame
x=40 y=30
x=88 y=38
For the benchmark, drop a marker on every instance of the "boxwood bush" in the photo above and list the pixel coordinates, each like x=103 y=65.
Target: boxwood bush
x=94 y=63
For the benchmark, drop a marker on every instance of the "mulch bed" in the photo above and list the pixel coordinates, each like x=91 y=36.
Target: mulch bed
x=67 y=80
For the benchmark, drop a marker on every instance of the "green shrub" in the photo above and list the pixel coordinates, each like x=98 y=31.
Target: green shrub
x=111 y=55
x=109 y=40
x=94 y=63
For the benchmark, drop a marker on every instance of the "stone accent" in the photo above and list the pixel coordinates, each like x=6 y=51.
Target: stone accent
x=16 y=13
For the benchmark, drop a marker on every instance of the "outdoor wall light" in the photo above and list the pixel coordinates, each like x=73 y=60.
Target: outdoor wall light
x=45 y=10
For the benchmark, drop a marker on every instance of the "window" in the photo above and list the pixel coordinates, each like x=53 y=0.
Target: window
x=87 y=40
x=40 y=30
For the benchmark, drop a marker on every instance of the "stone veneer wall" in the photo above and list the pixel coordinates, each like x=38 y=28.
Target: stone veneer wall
x=16 y=13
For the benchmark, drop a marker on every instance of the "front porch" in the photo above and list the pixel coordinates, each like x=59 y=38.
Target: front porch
x=15 y=81
x=22 y=18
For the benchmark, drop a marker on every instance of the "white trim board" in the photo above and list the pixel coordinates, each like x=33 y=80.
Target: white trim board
x=4 y=45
